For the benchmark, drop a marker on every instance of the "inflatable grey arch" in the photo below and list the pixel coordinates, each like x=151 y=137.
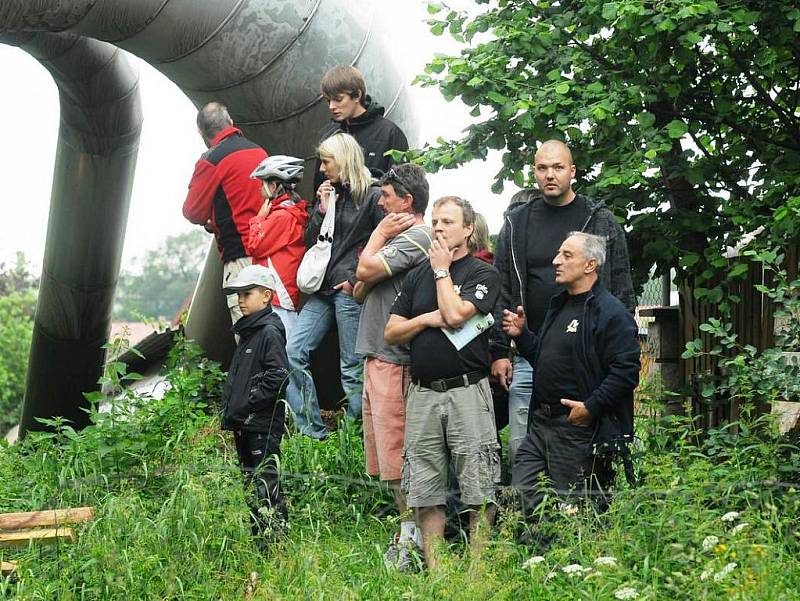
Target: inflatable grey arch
x=263 y=58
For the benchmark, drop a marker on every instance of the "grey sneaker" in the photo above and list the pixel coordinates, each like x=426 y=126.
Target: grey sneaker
x=405 y=556
x=411 y=557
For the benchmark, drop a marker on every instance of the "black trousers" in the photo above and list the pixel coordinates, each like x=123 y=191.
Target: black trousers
x=258 y=458
x=562 y=453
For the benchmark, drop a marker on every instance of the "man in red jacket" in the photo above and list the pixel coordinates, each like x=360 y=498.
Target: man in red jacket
x=222 y=197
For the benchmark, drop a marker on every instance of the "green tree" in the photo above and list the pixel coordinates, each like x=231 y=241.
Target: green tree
x=682 y=114
x=162 y=279
x=17 y=302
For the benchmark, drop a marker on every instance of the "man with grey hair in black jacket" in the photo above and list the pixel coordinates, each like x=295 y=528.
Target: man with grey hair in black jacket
x=528 y=241
x=586 y=360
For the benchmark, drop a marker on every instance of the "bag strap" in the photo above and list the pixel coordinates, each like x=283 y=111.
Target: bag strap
x=326 y=230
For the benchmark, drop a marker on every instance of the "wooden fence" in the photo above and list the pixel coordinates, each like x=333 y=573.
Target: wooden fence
x=753 y=321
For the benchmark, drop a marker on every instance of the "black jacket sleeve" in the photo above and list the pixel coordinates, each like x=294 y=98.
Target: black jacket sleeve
x=499 y=343
x=313 y=226
x=619 y=355
x=619 y=265
x=265 y=385
x=526 y=345
x=373 y=216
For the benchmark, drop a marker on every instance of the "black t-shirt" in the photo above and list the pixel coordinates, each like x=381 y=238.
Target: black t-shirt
x=555 y=374
x=548 y=226
x=433 y=356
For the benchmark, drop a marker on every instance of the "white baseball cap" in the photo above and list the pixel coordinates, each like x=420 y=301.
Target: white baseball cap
x=250 y=277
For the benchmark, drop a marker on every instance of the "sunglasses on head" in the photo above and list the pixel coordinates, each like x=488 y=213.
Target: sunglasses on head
x=393 y=175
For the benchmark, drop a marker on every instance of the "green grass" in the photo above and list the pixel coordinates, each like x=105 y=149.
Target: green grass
x=172 y=522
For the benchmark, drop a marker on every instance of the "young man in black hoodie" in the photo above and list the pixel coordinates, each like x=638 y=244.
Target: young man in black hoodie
x=354 y=112
x=250 y=404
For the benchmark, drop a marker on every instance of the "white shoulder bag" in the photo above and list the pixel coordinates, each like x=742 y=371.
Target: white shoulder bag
x=315 y=262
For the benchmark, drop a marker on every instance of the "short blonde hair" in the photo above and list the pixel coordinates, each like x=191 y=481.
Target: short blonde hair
x=346 y=151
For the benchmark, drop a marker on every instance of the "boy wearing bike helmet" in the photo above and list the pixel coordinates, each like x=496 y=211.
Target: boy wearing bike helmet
x=275 y=238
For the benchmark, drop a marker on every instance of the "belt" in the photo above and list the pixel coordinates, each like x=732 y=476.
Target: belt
x=445 y=384
x=552 y=410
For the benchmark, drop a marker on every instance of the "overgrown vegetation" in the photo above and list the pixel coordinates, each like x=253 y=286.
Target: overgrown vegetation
x=17 y=303
x=715 y=518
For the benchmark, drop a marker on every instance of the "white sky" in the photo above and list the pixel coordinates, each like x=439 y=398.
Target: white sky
x=169 y=138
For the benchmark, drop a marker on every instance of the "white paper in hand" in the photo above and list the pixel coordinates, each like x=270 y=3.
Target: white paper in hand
x=473 y=327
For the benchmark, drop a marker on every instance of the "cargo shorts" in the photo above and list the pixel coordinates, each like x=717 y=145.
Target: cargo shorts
x=453 y=426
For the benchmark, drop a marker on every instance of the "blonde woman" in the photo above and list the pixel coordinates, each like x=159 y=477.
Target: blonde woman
x=357 y=214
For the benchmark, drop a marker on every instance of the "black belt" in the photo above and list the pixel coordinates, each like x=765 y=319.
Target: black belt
x=552 y=410
x=445 y=384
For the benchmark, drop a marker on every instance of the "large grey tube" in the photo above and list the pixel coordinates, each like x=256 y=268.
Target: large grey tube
x=263 y=58
x=95 y=162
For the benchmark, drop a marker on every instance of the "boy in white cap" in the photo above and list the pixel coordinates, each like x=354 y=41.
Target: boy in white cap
x=250 y=399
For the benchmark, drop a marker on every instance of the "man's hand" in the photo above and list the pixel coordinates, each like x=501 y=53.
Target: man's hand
x=394 y=224
x=579 y=415
x=345 y=287
x=209 y=227
x=502 y=372
x=441 y=256
x=434 y=319
x=513 y=323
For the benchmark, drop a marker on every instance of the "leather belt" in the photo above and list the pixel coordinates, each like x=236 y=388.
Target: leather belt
x=551 y=410
x=445 y=384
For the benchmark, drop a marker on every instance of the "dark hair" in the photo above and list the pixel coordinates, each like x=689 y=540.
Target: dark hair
x=408 y=178
x=344 y=79
x=467 y=212
x=212 y=119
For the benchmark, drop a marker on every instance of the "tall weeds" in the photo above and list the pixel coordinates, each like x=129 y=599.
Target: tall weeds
x=715 y=516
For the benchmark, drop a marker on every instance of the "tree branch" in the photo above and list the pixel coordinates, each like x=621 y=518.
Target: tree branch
x=761 y=91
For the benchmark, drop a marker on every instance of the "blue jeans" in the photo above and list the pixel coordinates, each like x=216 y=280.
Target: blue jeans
x=519 y=399
x=315 y=319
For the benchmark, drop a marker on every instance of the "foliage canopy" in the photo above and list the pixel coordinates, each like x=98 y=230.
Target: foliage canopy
x=681 y=114
x=17 y=303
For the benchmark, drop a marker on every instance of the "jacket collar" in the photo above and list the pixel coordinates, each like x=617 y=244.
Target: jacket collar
x=518 y=215
x=372 y=111
x=560 y=299
x=228 y=131
x=255 y=320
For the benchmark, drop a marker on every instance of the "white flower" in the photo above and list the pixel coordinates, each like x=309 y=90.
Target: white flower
x=739 y=527
x=550 y=575
x=532 y=561
x=710 y=542
x=573 y=568
x=704 y=576
x=610 y=562
x=725 y=572
x=626 y=593
x=730 y=516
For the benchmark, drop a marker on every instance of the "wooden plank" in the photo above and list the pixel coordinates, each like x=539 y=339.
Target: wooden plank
x=22 y=538
x=8 y=567
x=47 y=517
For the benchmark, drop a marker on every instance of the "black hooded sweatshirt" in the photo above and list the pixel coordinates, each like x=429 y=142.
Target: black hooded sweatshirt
x=375 y=133
x=259 y=372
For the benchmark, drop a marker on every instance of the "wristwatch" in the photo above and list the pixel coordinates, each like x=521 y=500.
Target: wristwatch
x=439 y=274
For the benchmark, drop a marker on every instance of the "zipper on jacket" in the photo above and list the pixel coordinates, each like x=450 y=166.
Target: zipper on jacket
x=514 y=261
x=591 y=216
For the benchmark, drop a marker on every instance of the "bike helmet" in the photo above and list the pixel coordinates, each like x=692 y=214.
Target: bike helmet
x=286 y=169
